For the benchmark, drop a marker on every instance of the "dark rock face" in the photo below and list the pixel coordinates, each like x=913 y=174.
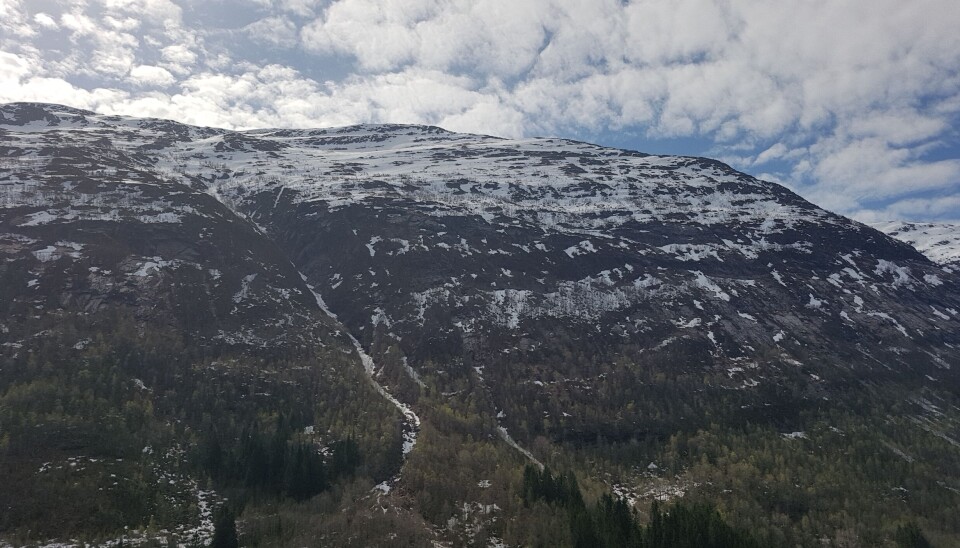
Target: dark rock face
x=462 y=249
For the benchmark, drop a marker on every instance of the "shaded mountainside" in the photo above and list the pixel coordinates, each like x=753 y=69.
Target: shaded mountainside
x=638 y=319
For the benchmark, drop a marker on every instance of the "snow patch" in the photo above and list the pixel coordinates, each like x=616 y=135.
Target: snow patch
x=244 y=290
x=373 y=241
x=901 y=274
x=583 y=248
x=703 y=281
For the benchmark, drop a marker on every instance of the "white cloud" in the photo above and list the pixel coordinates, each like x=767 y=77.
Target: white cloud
x=774 y=152
x=78 y=23
x=13 y=68
x=945 y=208
x=114 y=55
x=851 y=172
x=148 y=75
x=123 y=24
x=14 y=22
x=898 y=128
x=303 y=8
x=179 y=54
x=300 y=8
x=275 y=31
x=45 y=21
x=157 y=11
x=57 y=90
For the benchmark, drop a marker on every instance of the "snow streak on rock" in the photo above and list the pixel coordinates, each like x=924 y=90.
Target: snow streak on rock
x=513 y=443
x=411 y=425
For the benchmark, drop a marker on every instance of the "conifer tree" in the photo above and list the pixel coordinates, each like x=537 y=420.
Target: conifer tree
x=225 y=529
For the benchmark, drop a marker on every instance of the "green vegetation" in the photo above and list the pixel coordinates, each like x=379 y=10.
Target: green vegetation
x=128 y=429
x=131 y=427
x=787 y=460
x=225 y=529
x=910 y=536
x=275 y=462
x=610 y=523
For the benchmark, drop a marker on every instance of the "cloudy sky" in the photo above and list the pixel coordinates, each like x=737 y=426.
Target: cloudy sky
x=855 y=104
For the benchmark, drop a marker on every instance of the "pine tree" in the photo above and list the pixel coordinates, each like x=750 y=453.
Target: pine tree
x=224 y=530
x=910 y=536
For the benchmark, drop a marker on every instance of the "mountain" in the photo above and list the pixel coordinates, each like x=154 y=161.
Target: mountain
x=445 y=308
x=940 y=242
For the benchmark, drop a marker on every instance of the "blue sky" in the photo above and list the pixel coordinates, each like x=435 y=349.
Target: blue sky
x=853 y=104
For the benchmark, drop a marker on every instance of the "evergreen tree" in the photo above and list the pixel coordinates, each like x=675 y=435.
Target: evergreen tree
x=910 y=536
x=224 y=529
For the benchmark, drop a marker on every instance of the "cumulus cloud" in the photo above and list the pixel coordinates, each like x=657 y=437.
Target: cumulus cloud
x=853 y=105
x=774 y=152
x=274 y=31
x=45 y=21
x=164 y=12
x=300 y=8
x=13 y=68
x=148 y=75
x=942 y=207
x=78 y=23
x=179 y=55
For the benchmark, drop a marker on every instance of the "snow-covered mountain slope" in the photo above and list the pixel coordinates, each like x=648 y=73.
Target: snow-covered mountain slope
x=940 y=242
x=101 y=229
x=443 y=240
